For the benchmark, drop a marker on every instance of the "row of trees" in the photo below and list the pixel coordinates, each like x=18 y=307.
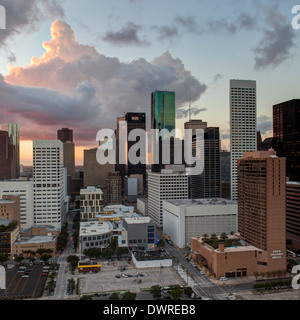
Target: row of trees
x=272 y=285
x=175 y=291
x=10 y=227
x=270 y=274
x=62 y=238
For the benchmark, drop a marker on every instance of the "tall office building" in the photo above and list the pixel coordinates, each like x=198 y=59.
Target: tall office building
x=65 y=135
x=7 y=157
x=261 y=207
x=14 y=136
x=286 y=135
x=165 y=185
x=163 y=116
x=208 y=183
x=293 y=214
x=136 y=121
x=242 y=124
x=114 y=188
x=49 y=182
x=121 y=147
x=94 y=173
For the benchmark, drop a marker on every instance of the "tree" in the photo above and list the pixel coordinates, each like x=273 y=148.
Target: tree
x=113 y=244
x=85 y=297
x=223 y=236
x=129 y=296
x=45 y=256
x=177 y=293
x=4 y=257
x=73 y=260
x=19 y=259
x=188 y=291
x=114 y=296
x=256 y=274
x=121 y=251
x=156 y=291
x=161 y=243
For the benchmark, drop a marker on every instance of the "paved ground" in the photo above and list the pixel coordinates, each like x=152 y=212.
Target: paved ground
x=283 y=295
x=106 y=281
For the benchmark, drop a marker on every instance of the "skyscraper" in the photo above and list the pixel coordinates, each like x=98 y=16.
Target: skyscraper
x=49 y=182
x=262 y=208
x=163 y=116
x=136 y=121
x=208 y=183
x=14 y=136
x=65 y=135
x=286 y=135
x=7 y=157
x=242 y=124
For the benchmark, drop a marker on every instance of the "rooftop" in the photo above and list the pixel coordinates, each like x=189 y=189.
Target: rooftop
x=95 y=227
x=199 y=202
x=137 y=220
x=35 y=239
x=150 y=255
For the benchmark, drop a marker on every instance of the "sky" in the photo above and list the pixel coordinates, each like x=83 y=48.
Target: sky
x=81 y=64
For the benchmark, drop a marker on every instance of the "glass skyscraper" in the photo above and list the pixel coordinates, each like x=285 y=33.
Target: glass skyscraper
x=163 y=116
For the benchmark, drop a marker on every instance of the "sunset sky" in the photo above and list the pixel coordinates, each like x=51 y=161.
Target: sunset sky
x=80 y=64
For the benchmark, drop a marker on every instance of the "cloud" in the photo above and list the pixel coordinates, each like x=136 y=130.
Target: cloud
x=25 y=16
x=277 y=42
x=217 y=77
x=73 y=85
x=264 y=124
x=166 y=32
x=185 y=113
x=127 y=36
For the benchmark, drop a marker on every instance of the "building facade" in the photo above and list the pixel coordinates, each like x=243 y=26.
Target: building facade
x=49 y=183
x=24 y=189
x=286 y=135
x=91 y=203
x=7 y=157
x=184 y=219
x=166 y=185
x=293 y=214
x=114 y=188
x=242 y=124
x=262 y=208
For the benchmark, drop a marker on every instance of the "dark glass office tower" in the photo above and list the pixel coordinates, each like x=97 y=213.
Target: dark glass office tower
x=65 y=134
x=208 y=183
x=286 y=135
x=136 y=121
x=163 y=115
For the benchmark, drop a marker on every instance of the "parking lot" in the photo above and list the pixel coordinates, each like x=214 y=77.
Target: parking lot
x=22 y=283
x=111 y=278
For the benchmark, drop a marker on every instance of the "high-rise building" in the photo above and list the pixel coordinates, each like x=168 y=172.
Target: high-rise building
x=7 y=157
x=208 y=183
x=114 y=188
x=65 y=135
x=14 y=136
x=286 y=135
x=121 y=148
x=165 y=185
x=163 y=116
x=242 y=124
x=49 y=182
x=136 y=121
x=94 y=173
x=293 y=214
x=261 y=207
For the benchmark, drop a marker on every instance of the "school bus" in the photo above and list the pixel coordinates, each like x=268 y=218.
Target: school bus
x=89 y=266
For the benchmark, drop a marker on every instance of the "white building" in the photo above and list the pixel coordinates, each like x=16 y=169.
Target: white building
x=95 y=234
x=166 y=185
x=184 y=219
x=91 y=202
x=24 y=189
x=243 y=126
x=49 y=183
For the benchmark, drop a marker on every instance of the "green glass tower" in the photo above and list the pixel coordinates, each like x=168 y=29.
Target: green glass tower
x=163 y=116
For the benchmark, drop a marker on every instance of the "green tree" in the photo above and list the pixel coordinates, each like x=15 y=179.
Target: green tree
x=223 y=236
x=161 y=243
x=121 y=251
x=177 y=293
x=114 y=296
x=188 y=291
x=113 y=244
x=129 y=296
x=4 y=257
x=156 y=291
x=86 y=297
x=73 y=260
x=19 y=259
x=45 y=256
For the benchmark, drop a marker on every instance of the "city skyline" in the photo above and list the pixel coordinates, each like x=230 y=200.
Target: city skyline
x=117 y=60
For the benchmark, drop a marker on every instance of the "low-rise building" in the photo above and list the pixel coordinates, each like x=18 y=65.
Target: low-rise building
x=139 y=233
x=142 y=206
x=95 y=234
x=187 y=218
x=34 y=238
x=9 y=231
x=151 y=259
x=91 y=202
